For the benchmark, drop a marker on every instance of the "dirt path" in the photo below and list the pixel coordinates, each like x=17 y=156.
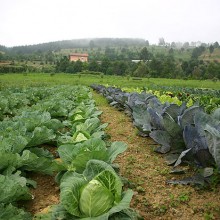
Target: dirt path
x=147 y=174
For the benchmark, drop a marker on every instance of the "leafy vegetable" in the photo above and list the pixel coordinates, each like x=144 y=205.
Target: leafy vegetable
x=76 y=156
x=13 y=188
x=98 y=194
x=13 y=213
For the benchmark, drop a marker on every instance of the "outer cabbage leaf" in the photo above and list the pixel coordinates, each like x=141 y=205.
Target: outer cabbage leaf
x=161 y=137
x=195 y=140
x=70 y=194
x=9 y=160
x=94 y=167
x=76 y=156
x=13 y=213
x=213 y=140
x=216 y=114
x=171 y=126
x=174 y=110
x=187 y=118
x=116 y=148
x=156 y=119
x=33 y=119
x=40 y=135
x=15 y=143
x=13 y=188
x=142 y=119
x=31 y=162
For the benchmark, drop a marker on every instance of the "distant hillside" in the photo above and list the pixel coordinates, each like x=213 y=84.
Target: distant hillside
x=77 y=43
x=207 y=56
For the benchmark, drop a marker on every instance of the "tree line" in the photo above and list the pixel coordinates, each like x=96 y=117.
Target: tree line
x=149 y=65
x=125 y=57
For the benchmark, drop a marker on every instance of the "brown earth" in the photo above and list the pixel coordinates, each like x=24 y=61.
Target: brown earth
x=146 y=172
x=46 y=193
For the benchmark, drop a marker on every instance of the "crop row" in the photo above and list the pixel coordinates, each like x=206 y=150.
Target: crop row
x=66 y=118
x=207 y=98
x=184 y=134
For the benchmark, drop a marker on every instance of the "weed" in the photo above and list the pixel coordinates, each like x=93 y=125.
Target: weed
x=164 y=171
x=145 y=202
x=184 y=197
x=131 y=159
x=209 y=216
x=215 y=179
x=160 y=209
x=140 y=189
x=173 y=202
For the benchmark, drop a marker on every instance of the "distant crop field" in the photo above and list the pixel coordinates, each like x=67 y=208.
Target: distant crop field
x=38 y=79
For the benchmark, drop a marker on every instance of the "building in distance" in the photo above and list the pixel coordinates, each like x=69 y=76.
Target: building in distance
x=83 y=57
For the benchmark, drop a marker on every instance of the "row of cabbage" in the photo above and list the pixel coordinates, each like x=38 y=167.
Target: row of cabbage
x=64 y=117
x=184 y=134
x=207 y=98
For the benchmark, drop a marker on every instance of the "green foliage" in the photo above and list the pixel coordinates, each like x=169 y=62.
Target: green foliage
x=13 y=213
x=95 y=193
x=76 y=156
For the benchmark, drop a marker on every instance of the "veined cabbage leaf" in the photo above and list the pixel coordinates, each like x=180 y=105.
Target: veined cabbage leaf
x=13 y=188
x=76 y=156
x=8 y=211
x=96 y=196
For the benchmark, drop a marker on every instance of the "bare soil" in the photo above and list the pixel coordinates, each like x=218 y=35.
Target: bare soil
x=146 y=172
x=47 y=191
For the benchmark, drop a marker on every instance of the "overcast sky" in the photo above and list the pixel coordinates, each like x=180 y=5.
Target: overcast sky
x=24 y=22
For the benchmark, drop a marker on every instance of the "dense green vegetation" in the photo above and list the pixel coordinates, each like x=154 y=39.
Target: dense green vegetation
x=87 y=79
x=122 y=57
x=66 y=118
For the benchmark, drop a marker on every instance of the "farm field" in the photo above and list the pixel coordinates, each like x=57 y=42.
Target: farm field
x=142 y=170
x=88 y=79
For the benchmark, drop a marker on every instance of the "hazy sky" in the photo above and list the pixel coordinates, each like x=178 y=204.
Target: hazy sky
x=24 y=22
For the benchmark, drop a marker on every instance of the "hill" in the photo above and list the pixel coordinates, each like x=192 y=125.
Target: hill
x=73 y=44
x=214 y=56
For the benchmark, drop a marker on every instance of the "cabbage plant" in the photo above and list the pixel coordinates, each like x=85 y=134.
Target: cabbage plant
x=75 y=156
x=94 y=194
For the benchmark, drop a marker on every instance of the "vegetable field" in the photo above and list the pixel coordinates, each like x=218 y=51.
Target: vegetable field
x=142 y=152
x=63 y=117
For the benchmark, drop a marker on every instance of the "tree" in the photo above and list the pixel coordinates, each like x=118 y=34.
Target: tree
x=110 y=53
x=211 y=49
x=173 y=45
x=216 y=45
x=93 y=66
x=104 y=65
x=119 y=67
x=91 y=44
x=1 y=56
x=186 y=45
x=62 y=64
x=78 y=67
x=171 y=51
x=197 y=51
x=144 y=54
x=161 y=42
x=156 y=67
x=141 y=70
x=147 y=43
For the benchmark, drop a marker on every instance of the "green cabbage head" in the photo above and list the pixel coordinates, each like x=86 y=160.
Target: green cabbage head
x=95 y=199
x=97 y=193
